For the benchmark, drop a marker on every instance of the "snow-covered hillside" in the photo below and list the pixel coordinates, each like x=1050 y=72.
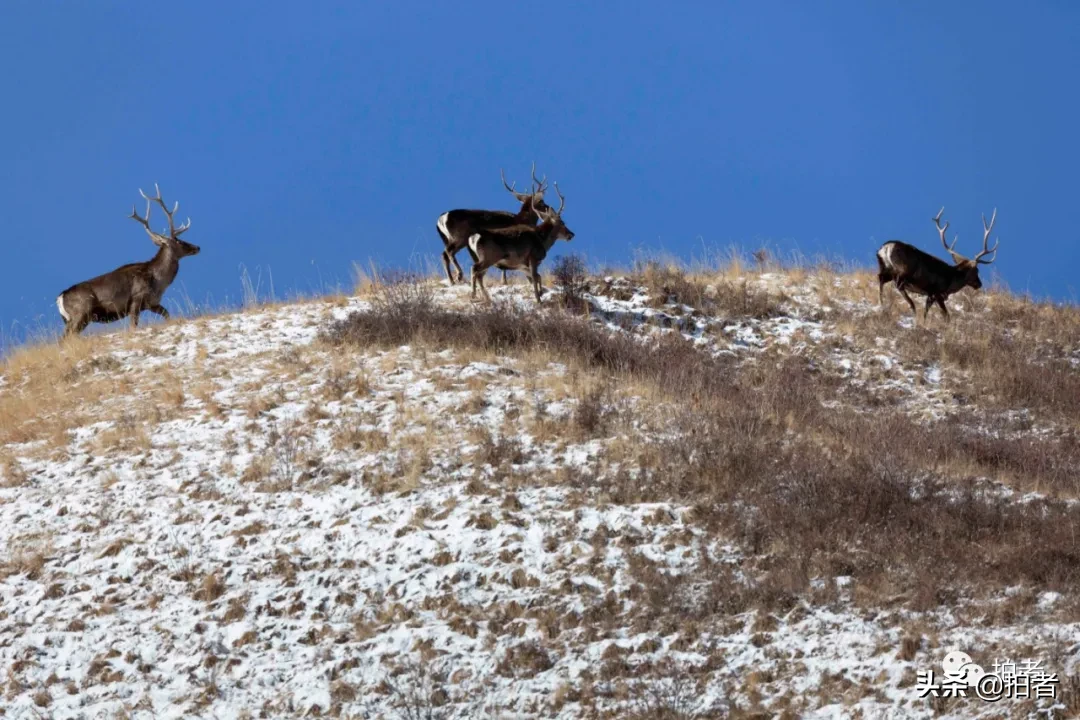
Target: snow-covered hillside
x=239 y=516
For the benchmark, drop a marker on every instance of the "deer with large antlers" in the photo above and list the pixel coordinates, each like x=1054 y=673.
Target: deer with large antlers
x=519 y=247
x=912 y=269
x=457 y=226
x=129 y=289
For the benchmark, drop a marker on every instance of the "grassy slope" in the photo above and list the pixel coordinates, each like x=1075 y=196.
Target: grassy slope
x=451 y=511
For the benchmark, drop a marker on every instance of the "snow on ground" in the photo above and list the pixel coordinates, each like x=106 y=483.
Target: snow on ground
x=300 y=530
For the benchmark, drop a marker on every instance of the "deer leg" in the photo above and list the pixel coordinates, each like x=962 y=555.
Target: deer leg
x=460 y=272
x=76 y=326
x=478 y=271
x=941 y=304
x=159 y=310
x=480 y=279
x=449 y=257
x=134 y=308
x=537 y=287
x=903 y=291
x=446 y=262
x=929 y=304
x=883 y=279
x=505 y=281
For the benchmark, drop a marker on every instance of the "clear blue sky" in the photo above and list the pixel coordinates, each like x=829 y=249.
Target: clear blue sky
x=301 y=137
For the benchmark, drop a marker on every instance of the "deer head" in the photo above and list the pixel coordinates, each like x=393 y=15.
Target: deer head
x=969 y=266
x=552 y=221
x=171 y=241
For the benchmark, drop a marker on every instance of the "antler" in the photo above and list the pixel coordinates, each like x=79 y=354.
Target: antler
x=539 y=185
x=509 y=188
x=536 y=192
x=986 y=238
x=174 y=232
x=522 y=197
x=552 y=214
x=957 y=257
x=144 y=221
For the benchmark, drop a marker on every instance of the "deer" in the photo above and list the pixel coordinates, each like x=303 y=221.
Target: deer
x=912 y=269
x=518 y=247
x=457 y=226
x=129 y=289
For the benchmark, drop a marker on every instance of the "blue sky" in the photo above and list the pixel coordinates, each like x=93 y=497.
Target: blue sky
x=301 y=137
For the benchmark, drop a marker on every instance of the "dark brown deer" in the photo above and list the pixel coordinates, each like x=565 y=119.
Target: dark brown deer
x=912 y=269
x=519 y=247
x=457 y=226
x=130 y=289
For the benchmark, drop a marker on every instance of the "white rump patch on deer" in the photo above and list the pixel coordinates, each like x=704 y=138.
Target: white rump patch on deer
x=474 y=240
x=886 y=254
x=60 y=307
x=441 y=224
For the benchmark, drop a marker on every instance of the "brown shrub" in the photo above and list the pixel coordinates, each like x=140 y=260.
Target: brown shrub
x=720 y=296
x=592 y=411
x=525 y=660
x=571 y=276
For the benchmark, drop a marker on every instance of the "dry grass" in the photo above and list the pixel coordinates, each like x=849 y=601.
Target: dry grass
x=46 y=386
x=52 y=388
x=211 y=588
x=720 y=294
x=12 y=474
x=1010 y=353
x=879 y=497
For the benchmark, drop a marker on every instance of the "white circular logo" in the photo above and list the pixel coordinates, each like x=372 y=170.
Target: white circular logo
x=959 y=666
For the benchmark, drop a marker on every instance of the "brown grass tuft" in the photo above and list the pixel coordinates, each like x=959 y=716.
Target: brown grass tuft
x=11 y=472
x=211 y=588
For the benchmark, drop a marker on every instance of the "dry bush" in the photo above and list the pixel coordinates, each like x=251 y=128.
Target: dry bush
x=496 y=451
x=506 y=329
x=720 y=296
x=525 y=660
x=571 y=276
x=672 y=696
x=415 y=692
x=289 y=461
x=873 y=514
x=593 y=411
